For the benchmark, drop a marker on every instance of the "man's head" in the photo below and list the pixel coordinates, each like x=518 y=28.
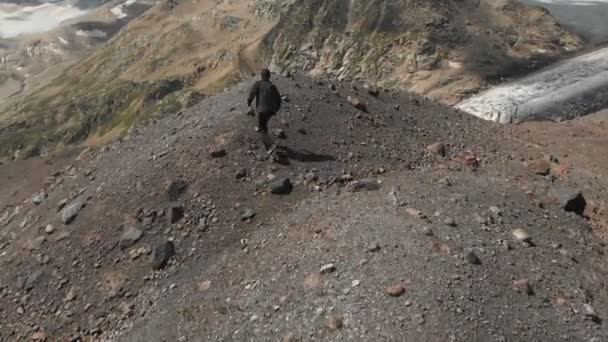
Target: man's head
x=265 y=74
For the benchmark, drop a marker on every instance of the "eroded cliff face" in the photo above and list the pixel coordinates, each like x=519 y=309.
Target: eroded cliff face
x=443 y=49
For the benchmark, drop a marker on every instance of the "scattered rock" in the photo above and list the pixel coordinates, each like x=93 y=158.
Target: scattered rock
x=540 y=167
x=49 y=229
x=591 y=314
x=241 y=173
x=39 y=336
x=248 y=214
x=374 y=247
x=355 y=283
x=427 y=231
x=523 y=286
x=449 y=222
x=176 y=188
x=161 y=254
x=335 y=321
x=175 y=212
x=129 y=237
x=217 y=152
x=279 y=133
x=521 y=235
x=62 y=204
x=363 y=185
x=415 y=213
x=495 y=210
x=281 y=186
x=437 y=148
x=372 y=90
x=71 y=211
x=472 y=258
x=357 y=103
x=328 y=268
x=395 y=290
x=71 y=295
x=550 y=158
x=570 y=200
x=31 y=280
x=39 y=198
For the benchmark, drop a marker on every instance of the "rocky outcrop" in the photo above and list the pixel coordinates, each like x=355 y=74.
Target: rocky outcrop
x=445 y=50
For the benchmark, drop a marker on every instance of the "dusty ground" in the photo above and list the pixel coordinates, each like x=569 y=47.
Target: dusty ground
x=259 y=279
x=581 y=147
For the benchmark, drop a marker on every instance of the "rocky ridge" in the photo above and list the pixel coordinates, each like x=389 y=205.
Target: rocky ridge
x=398 y=223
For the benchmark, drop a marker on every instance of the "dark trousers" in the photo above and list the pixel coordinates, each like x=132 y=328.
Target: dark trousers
x=263 y=118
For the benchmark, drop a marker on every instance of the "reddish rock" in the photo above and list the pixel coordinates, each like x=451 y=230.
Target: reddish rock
x=523 y=286
x=335 y=321
x=395 y=290
x=540 y=167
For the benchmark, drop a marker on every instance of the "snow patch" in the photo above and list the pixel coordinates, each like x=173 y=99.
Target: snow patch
x=119 y=11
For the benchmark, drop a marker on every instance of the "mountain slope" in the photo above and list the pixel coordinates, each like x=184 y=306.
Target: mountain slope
x=178 y=51
x=368 y=197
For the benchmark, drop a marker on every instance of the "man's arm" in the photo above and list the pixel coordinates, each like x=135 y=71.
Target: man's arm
x=278 y=95
x=252 y=94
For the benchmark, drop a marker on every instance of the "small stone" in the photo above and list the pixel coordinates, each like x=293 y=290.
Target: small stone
x=204 y=286
x=590 y=313
x=495 y=210
x=363 y=185
x=217 y=153
x=427 y=231
x=39 y=198
x=279 y=133
x=523 y=286
x=49 y=229
x=449 y=222
x=335 y=321
x=374 y=247
x=39 y=336
x=161 y=254
x=395 y=290
x=570 y=200
x=415 y=213
x=540 y=167
x=328 y=268
x=472 y=258
x=357 y=103
x=550 y=158
x=71 y=211
x=437 y=148
x=247 y=214
x=372 y=90
x=20 y=310
x=521 y=235
x=355 y=283
x=71 y=295
x=282 y=186
x=31 y=280
x=253 y=318
x=241 y=173
x=175 y=212
x=129 y=238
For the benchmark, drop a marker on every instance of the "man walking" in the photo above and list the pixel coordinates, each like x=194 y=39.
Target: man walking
x=268 y=103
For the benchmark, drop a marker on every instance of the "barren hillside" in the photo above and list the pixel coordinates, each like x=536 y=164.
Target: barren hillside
x=395 y=224
x=177 y=52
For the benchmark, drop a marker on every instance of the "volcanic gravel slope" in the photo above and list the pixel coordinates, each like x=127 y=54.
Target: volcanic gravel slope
x=380 y=239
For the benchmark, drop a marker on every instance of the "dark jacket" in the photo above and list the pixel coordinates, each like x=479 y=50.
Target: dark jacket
x=267 y=97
